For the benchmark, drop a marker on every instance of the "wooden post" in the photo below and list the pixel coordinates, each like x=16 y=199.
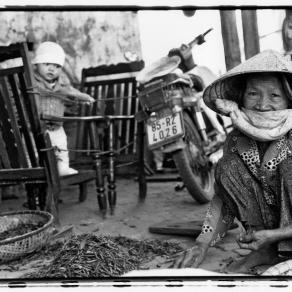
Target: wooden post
x=287 y=32
x=230 y=38
x=250 y=33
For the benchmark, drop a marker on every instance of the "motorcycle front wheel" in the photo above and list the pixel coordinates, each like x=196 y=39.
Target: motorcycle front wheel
x=199 y=180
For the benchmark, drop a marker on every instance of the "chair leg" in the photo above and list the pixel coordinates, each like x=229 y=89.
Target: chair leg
x=100 y=190
x=42 y=191
x=32 y=196
x=83 y=192
x=52 y=203
x=141 y=163
x=101 y=196
x=112 y=195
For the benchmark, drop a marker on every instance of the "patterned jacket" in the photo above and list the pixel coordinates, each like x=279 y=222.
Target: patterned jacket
x=52 y=100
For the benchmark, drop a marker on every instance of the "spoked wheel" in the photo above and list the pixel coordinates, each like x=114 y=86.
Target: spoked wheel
x=197 y=177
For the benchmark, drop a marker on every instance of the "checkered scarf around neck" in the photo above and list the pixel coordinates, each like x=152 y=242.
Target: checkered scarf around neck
x=260 y=126
x=273 y=128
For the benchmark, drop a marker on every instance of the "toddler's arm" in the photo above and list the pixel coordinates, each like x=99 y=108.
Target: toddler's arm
x=75 y=94
x=81 y=96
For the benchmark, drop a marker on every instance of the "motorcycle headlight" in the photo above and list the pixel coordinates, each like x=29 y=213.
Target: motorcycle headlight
x=152 y=117
x=176 y=109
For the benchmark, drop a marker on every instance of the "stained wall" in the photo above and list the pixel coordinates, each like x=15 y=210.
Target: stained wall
x=90 y=38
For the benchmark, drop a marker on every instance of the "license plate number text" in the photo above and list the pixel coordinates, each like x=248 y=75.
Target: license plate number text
x=164 y=130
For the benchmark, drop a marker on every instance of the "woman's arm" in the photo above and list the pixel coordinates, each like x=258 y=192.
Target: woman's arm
x=217 y=221
x=258 y=239
x=215 y=226
x=280 y=234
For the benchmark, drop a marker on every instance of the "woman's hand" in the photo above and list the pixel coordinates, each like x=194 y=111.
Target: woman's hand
x=226 y=107
x=256 y=239
x=191 y=257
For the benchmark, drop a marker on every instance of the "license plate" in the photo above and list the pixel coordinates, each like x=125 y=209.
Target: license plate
x=164 y=130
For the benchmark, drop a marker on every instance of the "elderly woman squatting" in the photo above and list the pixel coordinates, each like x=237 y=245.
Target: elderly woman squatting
x=252 y=180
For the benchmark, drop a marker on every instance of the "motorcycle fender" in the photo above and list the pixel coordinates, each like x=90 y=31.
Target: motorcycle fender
x=174 y=146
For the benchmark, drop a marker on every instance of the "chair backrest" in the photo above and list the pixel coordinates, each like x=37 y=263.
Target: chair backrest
x=114 y=87
x=22 y=137
x=20 y=150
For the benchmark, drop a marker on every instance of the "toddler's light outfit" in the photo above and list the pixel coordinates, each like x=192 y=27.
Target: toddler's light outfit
x=49 y=52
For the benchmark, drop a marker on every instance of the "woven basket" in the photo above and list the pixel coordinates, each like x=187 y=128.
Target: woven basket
x=15 y=247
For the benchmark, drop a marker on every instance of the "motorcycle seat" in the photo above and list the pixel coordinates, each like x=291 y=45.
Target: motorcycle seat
x=169 y=79
x=161 y=67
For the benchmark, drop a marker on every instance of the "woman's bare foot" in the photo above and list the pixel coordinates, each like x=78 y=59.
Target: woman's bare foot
x=265 y=256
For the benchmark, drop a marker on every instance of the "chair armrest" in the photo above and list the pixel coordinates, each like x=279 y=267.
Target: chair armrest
x=72 y=119
x=85 y=119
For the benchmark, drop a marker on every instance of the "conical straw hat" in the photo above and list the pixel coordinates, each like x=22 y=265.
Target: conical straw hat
x=227 y=86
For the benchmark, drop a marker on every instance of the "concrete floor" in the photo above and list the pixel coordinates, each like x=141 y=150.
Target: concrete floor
x=133 y=219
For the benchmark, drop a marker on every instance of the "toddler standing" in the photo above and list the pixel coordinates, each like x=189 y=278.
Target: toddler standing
x=48 y=62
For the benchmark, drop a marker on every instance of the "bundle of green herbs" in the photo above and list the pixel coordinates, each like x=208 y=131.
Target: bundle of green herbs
x=92 y=256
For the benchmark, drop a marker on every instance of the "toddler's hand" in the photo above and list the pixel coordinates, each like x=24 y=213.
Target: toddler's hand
x=88 y=99
x=91 y=99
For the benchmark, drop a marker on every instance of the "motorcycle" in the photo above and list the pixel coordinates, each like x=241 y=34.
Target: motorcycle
x=175 y=121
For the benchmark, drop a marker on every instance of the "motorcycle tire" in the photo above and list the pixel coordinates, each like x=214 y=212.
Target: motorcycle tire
x=198 y=181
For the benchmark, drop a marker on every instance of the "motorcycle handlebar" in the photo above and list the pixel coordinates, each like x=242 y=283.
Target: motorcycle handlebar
x=185 y=52
x=199 y=39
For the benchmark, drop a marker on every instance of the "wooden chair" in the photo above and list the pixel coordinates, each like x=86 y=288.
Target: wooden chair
x=26 y=155
x=114 y=88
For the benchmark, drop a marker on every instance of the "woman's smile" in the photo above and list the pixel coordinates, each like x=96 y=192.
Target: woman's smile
x=263 y=93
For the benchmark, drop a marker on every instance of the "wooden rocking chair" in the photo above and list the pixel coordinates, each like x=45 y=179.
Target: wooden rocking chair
x=114 y=88
x=26 y=155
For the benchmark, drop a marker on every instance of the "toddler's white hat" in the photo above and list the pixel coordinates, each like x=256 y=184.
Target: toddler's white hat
x=49 y=52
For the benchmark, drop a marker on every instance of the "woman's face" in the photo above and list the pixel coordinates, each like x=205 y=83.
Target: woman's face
x=264 y=92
